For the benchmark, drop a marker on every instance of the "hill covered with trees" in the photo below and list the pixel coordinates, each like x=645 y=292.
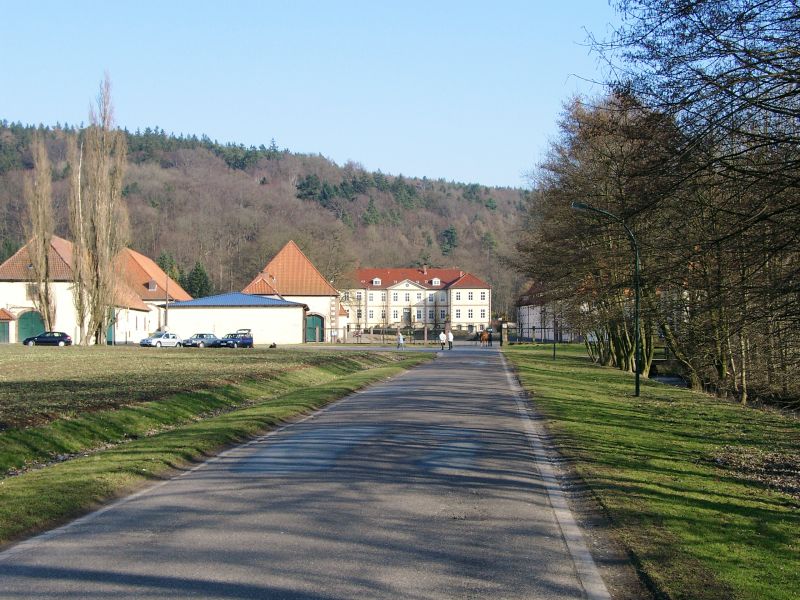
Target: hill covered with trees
x=228 y=208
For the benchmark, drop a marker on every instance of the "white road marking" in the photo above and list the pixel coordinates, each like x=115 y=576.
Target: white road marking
x=585 y=567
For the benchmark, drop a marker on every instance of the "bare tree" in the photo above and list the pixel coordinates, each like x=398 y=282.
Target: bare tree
x=78 y=227
x=39 y=198
x=98 y=214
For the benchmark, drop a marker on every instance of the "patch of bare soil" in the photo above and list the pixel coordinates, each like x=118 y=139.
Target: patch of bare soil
x=776 y=470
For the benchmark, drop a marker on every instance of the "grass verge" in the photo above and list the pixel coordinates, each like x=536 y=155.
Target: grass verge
x=696 y=527
x=197 y=425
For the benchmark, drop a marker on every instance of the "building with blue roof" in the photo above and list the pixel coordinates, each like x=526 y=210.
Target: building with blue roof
x=271 y=320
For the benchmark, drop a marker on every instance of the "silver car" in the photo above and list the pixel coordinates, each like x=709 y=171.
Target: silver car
x=201 y=340
x=162 y=338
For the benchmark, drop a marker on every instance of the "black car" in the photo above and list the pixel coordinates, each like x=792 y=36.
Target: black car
x=201 y=340
x=49 y=338
x=242 y=338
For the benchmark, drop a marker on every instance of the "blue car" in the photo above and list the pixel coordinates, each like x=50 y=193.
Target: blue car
x=49 y=338
x=242 y=338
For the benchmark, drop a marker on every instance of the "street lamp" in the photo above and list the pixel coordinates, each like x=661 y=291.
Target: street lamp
x=637 y=351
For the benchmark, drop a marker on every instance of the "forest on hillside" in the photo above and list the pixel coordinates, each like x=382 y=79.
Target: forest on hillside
x=229 y=208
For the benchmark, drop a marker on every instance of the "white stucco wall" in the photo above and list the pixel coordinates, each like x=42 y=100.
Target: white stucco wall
x=13 y=299
x=461 y=304
x=279 y=325
x=325 y=306
x=130 y=325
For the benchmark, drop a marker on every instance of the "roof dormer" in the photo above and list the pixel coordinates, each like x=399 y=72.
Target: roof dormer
x=436 y=281
x=152 y=285
x=376 y=281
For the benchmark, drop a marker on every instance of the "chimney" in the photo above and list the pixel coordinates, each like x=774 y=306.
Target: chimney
x=461 y=273
x=424 y=269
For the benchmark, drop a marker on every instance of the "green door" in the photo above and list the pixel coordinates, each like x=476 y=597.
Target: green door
x=29 y=324
x=3 y=332
x=110 y=331
x=315 y=328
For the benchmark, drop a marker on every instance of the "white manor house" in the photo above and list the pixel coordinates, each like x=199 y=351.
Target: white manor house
x=429 y=298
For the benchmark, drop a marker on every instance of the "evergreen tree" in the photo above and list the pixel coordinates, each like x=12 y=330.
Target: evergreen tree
x=371 y=216
x=170 y=266
x=198 y=283
x=448 y=240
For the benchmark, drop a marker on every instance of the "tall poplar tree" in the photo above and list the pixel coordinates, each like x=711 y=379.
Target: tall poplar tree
x=98 y=215
x=39 y=199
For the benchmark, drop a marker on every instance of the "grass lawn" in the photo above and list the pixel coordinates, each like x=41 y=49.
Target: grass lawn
x=98 y=422
x=703 y=493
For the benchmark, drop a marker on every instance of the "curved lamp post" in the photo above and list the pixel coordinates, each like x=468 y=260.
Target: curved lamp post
x=637 y=351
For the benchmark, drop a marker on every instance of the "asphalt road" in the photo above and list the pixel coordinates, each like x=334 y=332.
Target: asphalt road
x=430 y=485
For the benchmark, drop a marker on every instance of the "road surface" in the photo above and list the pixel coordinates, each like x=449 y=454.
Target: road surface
x=430 y=485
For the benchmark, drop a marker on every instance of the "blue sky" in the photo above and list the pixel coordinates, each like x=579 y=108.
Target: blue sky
x=465 y=91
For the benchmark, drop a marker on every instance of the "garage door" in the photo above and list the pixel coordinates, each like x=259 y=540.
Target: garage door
x=315 y=328
x=29 y=324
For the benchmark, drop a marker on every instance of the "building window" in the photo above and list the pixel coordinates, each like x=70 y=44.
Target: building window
x=442 y=314
x=469 y=295
x=469 y=313
x=394 y=296
x=370 y=314
x=376 y=281
x=483 y=295
x=383 y=296
x=443 y=297
x=430 y=297
x=458 y=295
x=31 y=291
x=358 y=314
x=346 y=296
x=480 y=327
x=419 y=296
x=419 y=314
x=370 y=297
x=483 y=313
x=383 y=315
x=358 y=296
x=458 y=313
x=430 y=315
x=395 y=315
x=408 y=297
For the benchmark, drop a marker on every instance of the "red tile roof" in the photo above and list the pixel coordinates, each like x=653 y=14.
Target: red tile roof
x=60 y=256
x=140 y=271
x=5 y=315
x=125 y=297
x=447 y=277
x=260 y=286
x=292 y=274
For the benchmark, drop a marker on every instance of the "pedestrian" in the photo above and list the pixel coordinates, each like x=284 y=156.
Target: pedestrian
x=450 y=339
x=490 y=337
x=401 y=342
x=442 y=339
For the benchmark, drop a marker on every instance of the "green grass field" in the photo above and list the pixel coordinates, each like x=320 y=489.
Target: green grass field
x=84 y=425
x=703 y=493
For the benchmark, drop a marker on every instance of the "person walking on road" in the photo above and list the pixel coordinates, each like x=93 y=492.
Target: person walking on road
x=442 y=339
x=401 y=342
x=450 y=340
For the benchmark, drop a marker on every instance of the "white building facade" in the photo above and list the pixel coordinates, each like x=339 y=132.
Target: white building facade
x=418 y=298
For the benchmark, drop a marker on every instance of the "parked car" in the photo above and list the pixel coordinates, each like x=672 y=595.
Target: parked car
x=162 y=338
x=49 y=338
x=241 y=338
x=201 y=340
